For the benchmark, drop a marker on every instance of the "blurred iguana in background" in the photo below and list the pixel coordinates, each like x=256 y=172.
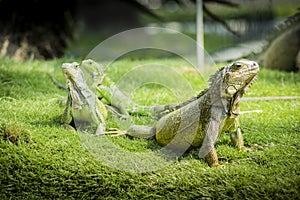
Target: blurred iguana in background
x=282 y=51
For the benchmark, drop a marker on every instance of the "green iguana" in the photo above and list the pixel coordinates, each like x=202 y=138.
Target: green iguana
x=108 y=92
x=84 y=111
x=281 y=48
x=199 y=121
x=106 y=89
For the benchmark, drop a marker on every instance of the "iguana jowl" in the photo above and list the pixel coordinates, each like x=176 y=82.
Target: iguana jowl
x=198 y=122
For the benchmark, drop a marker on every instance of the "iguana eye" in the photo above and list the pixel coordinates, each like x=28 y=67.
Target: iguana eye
x=238 y=65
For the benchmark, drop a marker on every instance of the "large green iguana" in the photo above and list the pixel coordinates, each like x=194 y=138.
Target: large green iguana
x=199 y=122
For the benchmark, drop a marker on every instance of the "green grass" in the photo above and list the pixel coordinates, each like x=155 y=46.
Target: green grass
x=41 y=160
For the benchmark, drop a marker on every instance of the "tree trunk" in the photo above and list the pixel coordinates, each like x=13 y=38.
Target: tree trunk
x=35 y=28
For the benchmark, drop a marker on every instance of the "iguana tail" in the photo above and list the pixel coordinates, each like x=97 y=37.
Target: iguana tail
x=141 y=131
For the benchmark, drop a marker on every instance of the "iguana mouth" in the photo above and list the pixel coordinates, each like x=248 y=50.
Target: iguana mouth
x=253 y=70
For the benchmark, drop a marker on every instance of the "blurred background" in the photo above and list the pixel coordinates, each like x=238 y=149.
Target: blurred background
x=40 y=29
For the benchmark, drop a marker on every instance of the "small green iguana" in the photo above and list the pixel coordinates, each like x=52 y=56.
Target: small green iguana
x=84 y=111
x=108 y=92
x=199 y=121
x=106 y=89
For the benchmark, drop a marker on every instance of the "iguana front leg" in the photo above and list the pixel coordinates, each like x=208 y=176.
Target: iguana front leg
x=232 y=127
x=237 y=140
x=212 y=158
x=207 y=150
x=66 y=118
x=236 y=136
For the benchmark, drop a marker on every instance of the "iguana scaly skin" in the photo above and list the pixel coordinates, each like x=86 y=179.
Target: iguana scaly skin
x=83 y=107
x=199 y=121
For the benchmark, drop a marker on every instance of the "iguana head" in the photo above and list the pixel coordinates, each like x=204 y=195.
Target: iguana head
x=94 y=69
x=73 y=75
x=239 y=76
